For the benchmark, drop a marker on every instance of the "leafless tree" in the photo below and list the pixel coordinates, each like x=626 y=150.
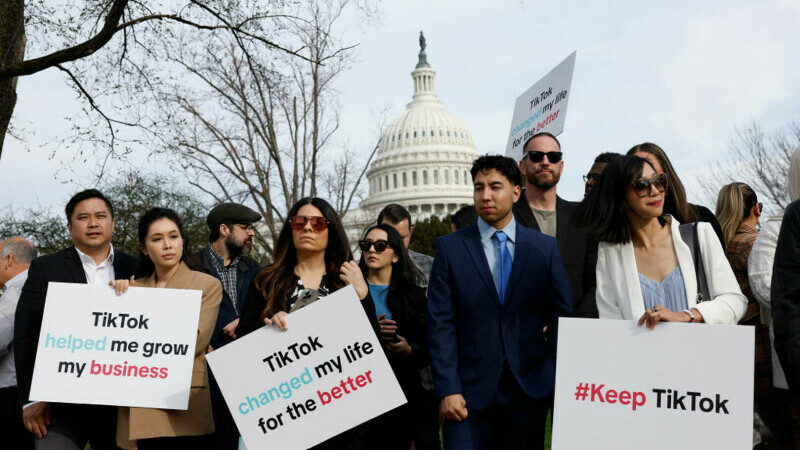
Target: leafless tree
x=257 y=126
x=65 y=35
x=759 y=160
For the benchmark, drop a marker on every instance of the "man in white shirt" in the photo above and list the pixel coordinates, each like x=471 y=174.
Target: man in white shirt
x=16 y=255
x=92 y=259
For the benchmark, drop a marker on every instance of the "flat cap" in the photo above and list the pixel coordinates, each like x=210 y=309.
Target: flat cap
x=231 y=213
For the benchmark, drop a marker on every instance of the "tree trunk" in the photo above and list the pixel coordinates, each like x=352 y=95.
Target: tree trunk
x=12 y=50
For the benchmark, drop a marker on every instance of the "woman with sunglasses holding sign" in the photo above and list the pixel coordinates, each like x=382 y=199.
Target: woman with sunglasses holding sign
x=645 y=271
x=401 y=306
x=312 y=259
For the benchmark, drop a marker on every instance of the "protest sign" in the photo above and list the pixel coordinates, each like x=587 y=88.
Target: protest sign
x=543 y=107
x=98 y=348
x=296 y=388
x=687 y=386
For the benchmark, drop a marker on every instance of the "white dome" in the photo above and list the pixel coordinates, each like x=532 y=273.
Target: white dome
x=424 y=155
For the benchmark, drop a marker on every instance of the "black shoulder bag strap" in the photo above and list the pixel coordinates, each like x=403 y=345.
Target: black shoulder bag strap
x=690 y=237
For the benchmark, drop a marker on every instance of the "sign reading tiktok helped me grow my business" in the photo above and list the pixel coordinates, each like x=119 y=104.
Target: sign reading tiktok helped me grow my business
x=542 y=108
x=679 y=386
x=98 y=348
x=296 y=388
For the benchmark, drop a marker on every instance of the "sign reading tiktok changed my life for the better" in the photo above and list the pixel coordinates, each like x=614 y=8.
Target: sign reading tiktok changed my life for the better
x=98 y=348
x=296 y=388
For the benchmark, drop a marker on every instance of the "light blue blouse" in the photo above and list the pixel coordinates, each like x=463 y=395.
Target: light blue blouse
x=670 y=292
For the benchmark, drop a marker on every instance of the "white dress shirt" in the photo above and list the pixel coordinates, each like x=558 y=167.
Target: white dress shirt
x=8 y=309
x=101 y=273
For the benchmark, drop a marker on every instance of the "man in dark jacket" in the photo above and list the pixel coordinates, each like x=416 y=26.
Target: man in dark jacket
x=541 y=209
x=785 y=298
x=92 y=260
x=225 y=257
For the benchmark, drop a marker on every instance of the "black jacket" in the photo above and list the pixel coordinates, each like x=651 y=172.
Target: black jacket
x=409 y=309
x=785 y=296
x=64 y=266
x=246 y=270
x=255 y=303
x=578 y=253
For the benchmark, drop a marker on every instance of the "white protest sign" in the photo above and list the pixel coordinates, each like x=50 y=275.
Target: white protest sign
x=296 y=388
x=98 y=348
x=543 y=107
x=687 y=386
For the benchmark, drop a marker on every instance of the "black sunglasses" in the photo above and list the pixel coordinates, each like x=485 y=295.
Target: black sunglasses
x=642 y=185
x=591 y=176
x=537 y=156
x=379 y=245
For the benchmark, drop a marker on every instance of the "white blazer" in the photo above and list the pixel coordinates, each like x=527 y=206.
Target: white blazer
x=619 y=294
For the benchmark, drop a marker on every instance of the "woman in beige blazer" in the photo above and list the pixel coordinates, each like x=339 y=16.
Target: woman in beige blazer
x=645 y=271
x=163 y=245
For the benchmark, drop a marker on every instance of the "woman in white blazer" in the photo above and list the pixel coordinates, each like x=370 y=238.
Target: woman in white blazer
x=644 y=269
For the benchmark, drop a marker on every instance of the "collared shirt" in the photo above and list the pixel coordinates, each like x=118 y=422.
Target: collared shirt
x=101 y=273
x=8 y=308
x=491 y=247
x=226 y=274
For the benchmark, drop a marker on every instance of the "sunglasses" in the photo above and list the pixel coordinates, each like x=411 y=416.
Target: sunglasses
x=642 y=185
x=593 y=177
x=318 y=223
x=537 y=156
x=366 y=244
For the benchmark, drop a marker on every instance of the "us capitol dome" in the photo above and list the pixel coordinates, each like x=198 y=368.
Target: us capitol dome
x=424 y=155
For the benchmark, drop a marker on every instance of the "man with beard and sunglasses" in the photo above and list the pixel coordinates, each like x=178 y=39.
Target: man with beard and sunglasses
x=225 y=257
x=540 y=208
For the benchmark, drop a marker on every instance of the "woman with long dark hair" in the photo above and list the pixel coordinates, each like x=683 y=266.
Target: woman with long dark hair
x=163 y=249
x=675 y=202
x=645 y=271
x=401 y=305
x=311 y=260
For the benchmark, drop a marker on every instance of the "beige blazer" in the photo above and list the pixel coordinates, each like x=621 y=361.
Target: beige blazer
x=619 y=294
x=143 y=423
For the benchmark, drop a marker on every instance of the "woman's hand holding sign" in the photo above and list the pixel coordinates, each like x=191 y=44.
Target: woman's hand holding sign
x=121 y=286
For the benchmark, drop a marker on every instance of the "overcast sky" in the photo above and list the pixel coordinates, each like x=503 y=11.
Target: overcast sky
x=680 y=74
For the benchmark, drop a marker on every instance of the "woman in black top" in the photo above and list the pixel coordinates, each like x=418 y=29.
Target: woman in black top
x=401 y=305
x=311 y=260
x=675 y=203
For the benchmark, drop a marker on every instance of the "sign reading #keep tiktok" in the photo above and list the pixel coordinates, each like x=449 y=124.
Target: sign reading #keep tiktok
x=322 y=376
x=680 y=385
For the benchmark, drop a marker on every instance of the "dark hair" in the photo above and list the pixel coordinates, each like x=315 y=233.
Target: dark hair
x=395 y=214
x=607 y=157
x=675 y=199
x=277 y=280
x=465 y=216
x=404 y=272
x=601 y=211
x=86 y=195
x=214 y=233
x=503 y=164
x=543 y=133
x=146 y=266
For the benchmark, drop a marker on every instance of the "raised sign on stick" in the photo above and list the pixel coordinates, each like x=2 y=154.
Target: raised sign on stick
x=296 y=388
x=543 y=107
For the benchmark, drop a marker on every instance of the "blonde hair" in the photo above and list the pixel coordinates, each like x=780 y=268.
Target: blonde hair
x=734 y=204
x=794 y=175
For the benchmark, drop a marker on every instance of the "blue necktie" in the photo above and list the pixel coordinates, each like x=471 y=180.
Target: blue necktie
x=503 y=265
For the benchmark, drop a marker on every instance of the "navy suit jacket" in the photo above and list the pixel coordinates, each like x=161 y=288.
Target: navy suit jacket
x=470 y=334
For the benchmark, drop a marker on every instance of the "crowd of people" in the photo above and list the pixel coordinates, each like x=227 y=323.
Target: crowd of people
x=470 y=333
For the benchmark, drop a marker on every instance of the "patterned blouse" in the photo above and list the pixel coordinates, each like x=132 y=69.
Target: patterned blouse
x=302 y=296
x=738 y=251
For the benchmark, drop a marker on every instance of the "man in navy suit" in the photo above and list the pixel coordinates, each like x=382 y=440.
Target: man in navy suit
x=494 y=299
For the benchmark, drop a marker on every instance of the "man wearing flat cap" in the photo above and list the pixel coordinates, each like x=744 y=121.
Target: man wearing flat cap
x=225 y=257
